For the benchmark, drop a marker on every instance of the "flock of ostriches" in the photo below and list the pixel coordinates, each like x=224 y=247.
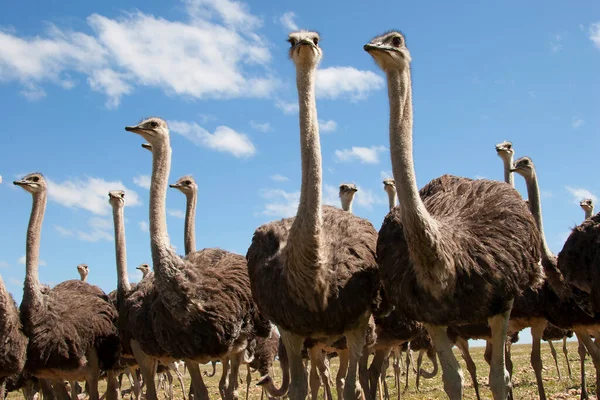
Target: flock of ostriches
x=456 y=260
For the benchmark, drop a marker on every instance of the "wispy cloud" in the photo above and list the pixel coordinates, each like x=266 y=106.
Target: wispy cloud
x=191 y=57
x=62 y=231
x=144 y=226
x=366 y=155
x=577 y=122
x=4 y=264
x=224 y=139
x=279 y=178
x=546 y=194
x=142 y=181
x=595 y=34
x=386 y=175
x=287 y=108
x=346 y=82
x=580 y=193
x=331 y=195
x=175 y=213
x=287 y=20
x=22 y=259
x=88 y=193
x=327 y=126
x=365 y=198
x=261 y=127
x=279 y=203
x=98 y=229
x=556 y=44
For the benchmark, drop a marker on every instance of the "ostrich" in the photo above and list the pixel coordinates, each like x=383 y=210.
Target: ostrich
x=314 y=275
x=200 y=308
x=506 y=152
x=187 y=186
x=64 y=342
x=453 y=236
x=551 y=333
x=390 y=188
x=347 y=192
x=588 y=207
x=14 y=342
x=83 y=270
x=264 y=355
x=144 y=269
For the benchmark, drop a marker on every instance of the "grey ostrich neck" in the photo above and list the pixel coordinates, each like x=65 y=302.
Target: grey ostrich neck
x=123 y=285
x=589 y=212
x=535 y=205
x=306 y=230
x=190 y=222
x=416 y=220
x=346 y=203
x=32 y=295
x=508 y=175
x=159 y=238
x=391 y=198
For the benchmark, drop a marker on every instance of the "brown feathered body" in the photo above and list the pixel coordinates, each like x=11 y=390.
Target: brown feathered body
x=198 y=308
x=488 y=238
x=348 y=267
x=74 y=318
x=579 y=259
x=265 y=352
x=553 y=332
x=13 y=343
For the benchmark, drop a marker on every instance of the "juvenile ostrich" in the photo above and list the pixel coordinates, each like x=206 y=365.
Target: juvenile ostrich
x=187 y=186
x=83 y=270
x=13 y=343
x=555 y=333
x=390 y=188
x=315 y=275
x=347 y=192
x=144 y=269
x=201 y=308
x=65 y=342
x=264 y=355
x=457 y=242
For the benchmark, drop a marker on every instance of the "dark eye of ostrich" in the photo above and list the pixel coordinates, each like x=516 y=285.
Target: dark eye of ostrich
x=154 y=124
x=292 y=41
x=397 y=41
x=316 y=41
x=35 y=179
x=187 y=182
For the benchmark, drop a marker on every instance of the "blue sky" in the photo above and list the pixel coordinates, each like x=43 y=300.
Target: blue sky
x=73 y=74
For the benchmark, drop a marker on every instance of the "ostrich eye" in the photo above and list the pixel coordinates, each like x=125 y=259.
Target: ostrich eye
x=154 y=124
x=397 y=41
x=292 y=42
x=187 y=182
x=316 y=41
x=35 y=179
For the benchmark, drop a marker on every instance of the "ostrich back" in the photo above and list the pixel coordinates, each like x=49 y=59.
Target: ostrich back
x=489 y=239
x=13 y=343
x=202 y=308
x=74 y=318
x=348 y=244
x=579 y=259
x=553 y=332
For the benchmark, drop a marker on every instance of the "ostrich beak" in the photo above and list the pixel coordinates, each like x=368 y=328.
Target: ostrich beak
x=20 y=183
x=135 y=129
x=175 y=185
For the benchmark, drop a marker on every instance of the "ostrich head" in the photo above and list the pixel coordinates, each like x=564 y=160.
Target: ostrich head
x=389 y=185
x=305 y=48
x=524 y=167
x=154 y=130
x=116 y=198
x=145 y=268
x=587 y=205
x=33 y=183
x=83 y=270
x=505 y=150
x=389 y=51
x=185 y=184
x=348 y=190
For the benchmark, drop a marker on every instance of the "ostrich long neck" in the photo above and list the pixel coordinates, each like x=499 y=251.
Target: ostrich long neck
x=32 y=294
x=508 y=176
x=159 y=237
x=416 y=220
x=190 y=222
x=589 y=212
x=123 y=285
x=535 y=205
x=306 y=230
x=391 y=198
x=346 y=203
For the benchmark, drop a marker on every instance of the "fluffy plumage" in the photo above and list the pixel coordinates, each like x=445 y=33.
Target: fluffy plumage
x=493 y=245
x=351 y=274
x=13 y=343
x=265 y=352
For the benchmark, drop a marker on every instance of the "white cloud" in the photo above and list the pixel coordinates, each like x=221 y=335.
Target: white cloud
x=63 y=231
x=347 y=82
x=0 y=178
x=264 y=127
x=4 y=264
x=176 y=213
x=280 y=203
x=142 y=181
x=327 y=126
x=386 y=175
x=287 y=108
x=223 y=139
x=191 y=57
x=144 y=226
x=88 y=193
x=366 y=198
x=331 y=195
x=287 y=20
x=279 y=178
x=15 y=282
x=595 y=34
x=99 y=229
x=580 y=194
x=546 y=194
x=22 y=260
x=577 y=122
x=556 y=44
x=366 y=155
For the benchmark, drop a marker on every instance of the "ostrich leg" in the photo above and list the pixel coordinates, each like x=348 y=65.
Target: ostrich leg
x=293 y=345
x=566 y=353
x=200 y=390
x=499 y=378
x=356 y=343
x=463 y=346
x=536 y=357
x=340 y=378
x=419 y=362
x=148 y=368
x=582 y=353
x=553 y=351
x=375 y=372
x=451 y=372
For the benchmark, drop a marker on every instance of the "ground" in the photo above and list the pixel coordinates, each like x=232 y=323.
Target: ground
x=524 y=385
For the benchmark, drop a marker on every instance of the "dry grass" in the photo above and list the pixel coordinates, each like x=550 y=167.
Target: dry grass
x=523 y=380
